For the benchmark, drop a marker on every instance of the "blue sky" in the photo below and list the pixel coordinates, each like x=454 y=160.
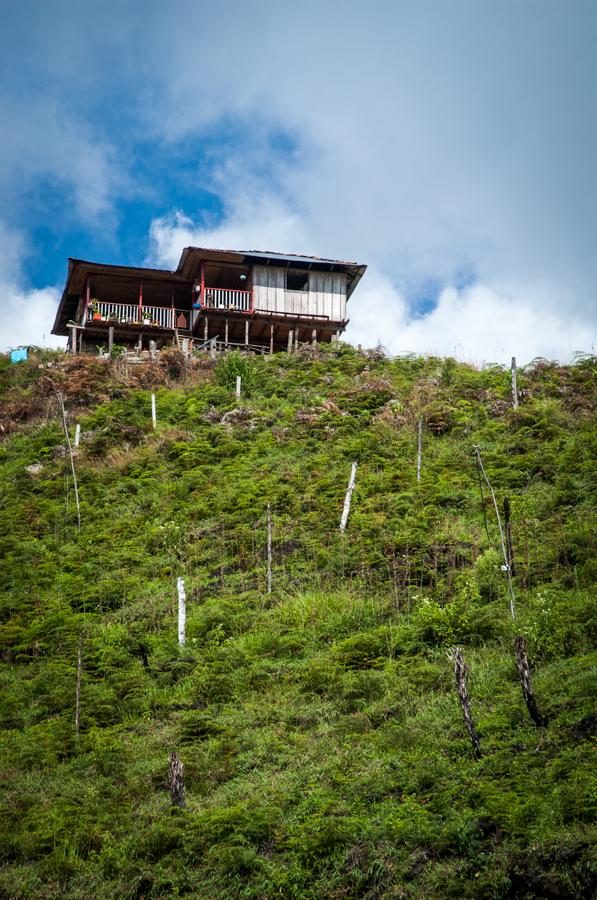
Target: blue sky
x=450 y=146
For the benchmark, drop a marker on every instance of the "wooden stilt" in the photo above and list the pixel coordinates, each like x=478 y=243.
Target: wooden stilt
x=271 y=339
x=290 y=337
x=110 y=338
x=206 y=329
x=246 y=332
x=314 y=336
x=73 y=340
x=226 y=334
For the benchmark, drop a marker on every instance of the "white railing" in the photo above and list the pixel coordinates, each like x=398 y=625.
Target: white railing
x=133 y=314
x=225 y=298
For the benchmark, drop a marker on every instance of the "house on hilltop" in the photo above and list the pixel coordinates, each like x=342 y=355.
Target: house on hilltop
x=257 y=300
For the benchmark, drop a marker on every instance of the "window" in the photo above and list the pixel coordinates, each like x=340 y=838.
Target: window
x=297 y=280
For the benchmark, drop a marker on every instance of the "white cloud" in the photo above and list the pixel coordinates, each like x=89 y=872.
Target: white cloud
x=27 y=315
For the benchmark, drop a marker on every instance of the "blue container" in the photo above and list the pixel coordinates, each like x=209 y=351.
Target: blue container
x=18 y=355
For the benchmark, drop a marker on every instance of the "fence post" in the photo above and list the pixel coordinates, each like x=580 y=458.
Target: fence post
x=77 y=434
x=182 y=611
x=175 y=780
x=420 y=449
x=514 y=384
x=269 y=548
x=153 y=412
x=78 y=688
x=238 y=386
x=348 y=498
x=460 y=673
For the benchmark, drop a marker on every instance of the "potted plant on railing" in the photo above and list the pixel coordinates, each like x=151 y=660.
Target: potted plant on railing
x=95 y=311
x=146 y=319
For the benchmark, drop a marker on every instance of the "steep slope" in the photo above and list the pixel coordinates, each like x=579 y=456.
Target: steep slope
x=323 y=744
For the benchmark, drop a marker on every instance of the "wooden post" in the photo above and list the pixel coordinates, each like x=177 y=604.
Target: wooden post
x=337 y=336
x=212 y=348
x=152 y=349
x=110 y=338
x=524 y=672
x=72 y=459
x=420 y=448
x=508 y=527
x=226 y=333
x=154 y=418
x=78 y=688
x=87 y=300
x=238 y=386
x=80 y=340
x=460 y=673
x=348 y=498
x=140 y=343
x=77 y=435
x=73 y=339
x=246 y=332
x=182 y=611
x=269 y=548
x=514 y=384
x=205 y=329
x=271 y=339
x=290 y=337
x=175 y=780
x=314 y=336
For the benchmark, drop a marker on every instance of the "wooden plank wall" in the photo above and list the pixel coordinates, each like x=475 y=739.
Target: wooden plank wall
x=326 y=295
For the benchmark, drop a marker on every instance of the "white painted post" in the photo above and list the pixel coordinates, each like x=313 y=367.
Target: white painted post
x=348 y=498
x=153 y=412
x=314 y=336
x=238 y=385
x=152 y=349
x=77 y=435
x=514 y=384
x=182 y=611
x=269 y=548
x=420 y=449
x=246 y=332
x=290 y=337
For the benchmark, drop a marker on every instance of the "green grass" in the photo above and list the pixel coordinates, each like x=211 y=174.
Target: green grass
x=323 y=744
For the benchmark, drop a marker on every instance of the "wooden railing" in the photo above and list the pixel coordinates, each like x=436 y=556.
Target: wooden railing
x=227 y=298
x=133 y=314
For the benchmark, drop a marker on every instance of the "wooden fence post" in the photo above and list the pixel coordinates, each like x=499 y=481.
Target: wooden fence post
x=78 y=688
x=420 y=448
x=514 y=384
x=524 y=672
x=348 y=498
x=175 y=780
x=182 y=611
x=269 y=548
x=460 y=673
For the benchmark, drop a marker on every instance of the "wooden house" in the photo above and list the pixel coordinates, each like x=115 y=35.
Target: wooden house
x=257 y=300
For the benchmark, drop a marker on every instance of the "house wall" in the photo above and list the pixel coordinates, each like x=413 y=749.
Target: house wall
x=326 y=295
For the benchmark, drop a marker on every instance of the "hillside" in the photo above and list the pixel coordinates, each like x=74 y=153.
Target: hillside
x=323 y=744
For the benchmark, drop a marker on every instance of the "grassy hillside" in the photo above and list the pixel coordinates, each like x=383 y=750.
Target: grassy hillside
x=323 y=743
